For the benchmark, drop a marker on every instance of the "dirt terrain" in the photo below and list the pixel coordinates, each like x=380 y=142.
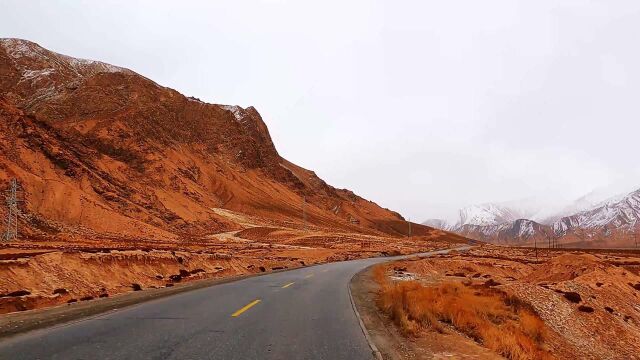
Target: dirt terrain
x=124 y=185
x=588 y=301
x=68 y=269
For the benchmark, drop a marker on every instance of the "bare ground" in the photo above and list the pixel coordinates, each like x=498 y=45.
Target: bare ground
x=588 y=300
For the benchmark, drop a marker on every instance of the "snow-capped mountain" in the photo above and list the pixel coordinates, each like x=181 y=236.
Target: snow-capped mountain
x=588 y=221
x=487 y=214
x=495 y=222
x=437 y=223
x=520 y=231
x=618 y=214
x=589 y=201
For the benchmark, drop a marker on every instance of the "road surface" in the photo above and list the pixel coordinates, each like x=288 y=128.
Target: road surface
x=299 y=314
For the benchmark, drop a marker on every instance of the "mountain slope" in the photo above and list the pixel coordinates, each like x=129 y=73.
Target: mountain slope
x=101 y=150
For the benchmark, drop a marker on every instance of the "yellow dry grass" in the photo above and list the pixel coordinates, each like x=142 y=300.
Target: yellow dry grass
x=492 y=318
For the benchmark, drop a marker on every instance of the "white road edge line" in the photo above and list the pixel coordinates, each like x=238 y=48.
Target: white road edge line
x=374 y=349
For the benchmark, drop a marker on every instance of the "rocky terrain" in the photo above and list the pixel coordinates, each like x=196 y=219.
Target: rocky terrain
x=125 y=184
x=587 y=300
x=613 y=223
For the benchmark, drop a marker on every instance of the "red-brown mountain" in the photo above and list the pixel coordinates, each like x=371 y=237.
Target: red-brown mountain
x=101 y=150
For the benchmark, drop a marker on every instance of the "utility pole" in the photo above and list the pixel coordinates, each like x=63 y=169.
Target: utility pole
x=304 y=213
x=11 y=232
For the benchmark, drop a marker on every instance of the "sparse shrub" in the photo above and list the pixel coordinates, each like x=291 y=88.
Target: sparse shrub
x=585 y=308
x=17 y=293
x=500 y=322
x=61 y=291
x=136 y=287
x=574 y=297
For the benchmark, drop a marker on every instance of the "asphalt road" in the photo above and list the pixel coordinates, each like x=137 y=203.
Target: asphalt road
x=299 y=314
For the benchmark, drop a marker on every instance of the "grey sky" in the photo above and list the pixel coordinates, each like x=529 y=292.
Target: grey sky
x=421 y=106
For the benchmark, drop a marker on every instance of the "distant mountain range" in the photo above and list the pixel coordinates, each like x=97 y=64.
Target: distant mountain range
x=587 y=222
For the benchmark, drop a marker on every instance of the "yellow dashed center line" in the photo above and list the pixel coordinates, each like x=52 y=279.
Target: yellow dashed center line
x=289 y=284
x=308 y=276
x=247 y=307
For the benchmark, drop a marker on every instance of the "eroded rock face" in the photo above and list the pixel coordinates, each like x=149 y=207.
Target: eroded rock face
x=100 y=149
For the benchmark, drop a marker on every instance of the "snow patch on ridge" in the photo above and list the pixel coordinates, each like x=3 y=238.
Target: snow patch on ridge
x=79 y=64
x=35 y=75
x=19 y=49
x=238 y=112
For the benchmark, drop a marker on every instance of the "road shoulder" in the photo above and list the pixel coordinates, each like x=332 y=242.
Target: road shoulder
x=392 y=344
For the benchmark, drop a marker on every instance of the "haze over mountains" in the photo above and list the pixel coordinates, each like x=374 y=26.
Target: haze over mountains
x=589 y=221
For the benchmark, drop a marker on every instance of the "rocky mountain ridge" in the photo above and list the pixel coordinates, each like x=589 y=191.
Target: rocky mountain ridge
x=102 y=151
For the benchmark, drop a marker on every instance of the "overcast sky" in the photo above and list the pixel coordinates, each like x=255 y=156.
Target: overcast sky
x=421 y=106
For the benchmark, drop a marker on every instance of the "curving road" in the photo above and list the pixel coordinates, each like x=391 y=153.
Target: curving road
x=299 y=314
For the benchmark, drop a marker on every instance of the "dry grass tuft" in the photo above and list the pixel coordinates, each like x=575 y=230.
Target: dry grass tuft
x=489 y=316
